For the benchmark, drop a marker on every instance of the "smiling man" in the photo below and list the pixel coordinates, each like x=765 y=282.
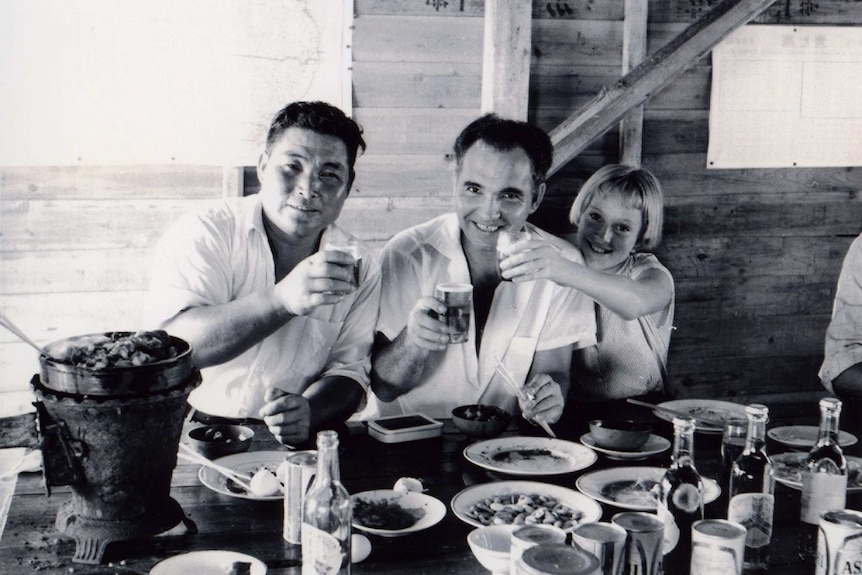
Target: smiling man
x=532 y=327
x=279 y=325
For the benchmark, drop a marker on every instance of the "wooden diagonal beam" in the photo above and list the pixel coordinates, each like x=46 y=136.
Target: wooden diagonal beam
x=595 y=118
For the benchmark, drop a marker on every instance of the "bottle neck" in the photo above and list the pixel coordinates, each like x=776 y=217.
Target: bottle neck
x=756 y=438
x=683 y=447
x=327 y=458
x=829 y=422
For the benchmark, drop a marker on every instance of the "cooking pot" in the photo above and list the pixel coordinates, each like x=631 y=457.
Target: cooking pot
x=112 y=434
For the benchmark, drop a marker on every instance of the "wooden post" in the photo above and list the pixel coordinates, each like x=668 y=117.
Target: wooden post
x=634 y=52
x=506 y=58
x=595 y=118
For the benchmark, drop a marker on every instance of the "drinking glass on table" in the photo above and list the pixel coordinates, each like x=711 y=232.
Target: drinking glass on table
x=458 y=298
x=505 y=240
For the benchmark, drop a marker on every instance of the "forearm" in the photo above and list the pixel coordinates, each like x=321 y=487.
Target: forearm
x=219 y=333
x=396 y=367
x=333 y=399
x=628 y=298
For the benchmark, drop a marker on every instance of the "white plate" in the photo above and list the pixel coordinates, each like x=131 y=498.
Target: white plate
x=805 y=436
x=654 y=445
x=788 y=470
x=705 y=408
x=433 y=510
x=628 y=487
x=206 y=563
x=247 y=462
x=530 y=455
x=469 y=497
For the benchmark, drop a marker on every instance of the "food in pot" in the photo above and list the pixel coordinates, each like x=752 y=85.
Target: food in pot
x=115 y=350
x=524 y=509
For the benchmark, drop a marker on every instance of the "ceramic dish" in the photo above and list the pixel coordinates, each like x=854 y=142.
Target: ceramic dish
x=530 y=455
x=788 y=470
x=712 y=409
x=805 y=436
x=654 y=445
x=206 y=563
x=630 y=487
x=428 y=511
x=466 y=502
x=248 y=462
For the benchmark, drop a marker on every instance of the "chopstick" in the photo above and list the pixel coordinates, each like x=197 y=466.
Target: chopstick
x=510 y=381
x=7 y=323
x=700 y=420
x=190 y=454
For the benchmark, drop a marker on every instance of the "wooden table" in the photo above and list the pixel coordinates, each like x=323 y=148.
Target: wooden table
x=31 y=544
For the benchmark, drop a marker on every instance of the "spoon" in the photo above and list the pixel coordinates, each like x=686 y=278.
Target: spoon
x=5 y=322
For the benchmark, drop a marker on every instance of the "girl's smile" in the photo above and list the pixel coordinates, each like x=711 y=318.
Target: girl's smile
x=608 y=231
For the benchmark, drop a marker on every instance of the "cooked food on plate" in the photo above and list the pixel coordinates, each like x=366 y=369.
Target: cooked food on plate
x=524 y=508
x=385 y=514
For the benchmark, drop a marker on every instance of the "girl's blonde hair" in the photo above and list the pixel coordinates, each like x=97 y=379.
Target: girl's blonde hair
x=638 y=188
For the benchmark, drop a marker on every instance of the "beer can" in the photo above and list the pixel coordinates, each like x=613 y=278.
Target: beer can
x=300 y=468
x=839 y=542
x=557 y=559
x=644 y=536
x=604 y=540
x=529 y=536
x=717 y=547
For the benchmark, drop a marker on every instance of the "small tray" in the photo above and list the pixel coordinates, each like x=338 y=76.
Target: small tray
x=407 y=427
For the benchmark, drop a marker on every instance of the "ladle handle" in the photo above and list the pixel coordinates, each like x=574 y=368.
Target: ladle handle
x=5 y=322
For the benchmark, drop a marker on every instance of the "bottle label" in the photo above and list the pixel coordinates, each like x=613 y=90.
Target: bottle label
x=821 y=492
x=671 y=530
x=321 y=552
x=754 y=511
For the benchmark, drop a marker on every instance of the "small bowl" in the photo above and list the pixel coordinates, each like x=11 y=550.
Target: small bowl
x=213 y=441
x=479 y=420
x=620 y=434
x=490 y=545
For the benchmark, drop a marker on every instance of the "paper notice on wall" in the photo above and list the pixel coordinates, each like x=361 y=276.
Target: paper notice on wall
x=86 y=82
x=786 y=96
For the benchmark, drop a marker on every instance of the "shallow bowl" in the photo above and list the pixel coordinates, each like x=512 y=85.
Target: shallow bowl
x=214 y=441
x=478 y=420
x=620 y=434
x=490 y=546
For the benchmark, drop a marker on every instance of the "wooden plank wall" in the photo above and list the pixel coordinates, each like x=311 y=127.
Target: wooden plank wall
x=755 y=253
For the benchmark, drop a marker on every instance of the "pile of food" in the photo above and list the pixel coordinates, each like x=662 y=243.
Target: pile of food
x=117 y=349
x=385 y=514
x=484 y=413
x=524 y=509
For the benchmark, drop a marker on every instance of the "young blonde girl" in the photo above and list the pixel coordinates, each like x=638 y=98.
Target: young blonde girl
x=618 y=214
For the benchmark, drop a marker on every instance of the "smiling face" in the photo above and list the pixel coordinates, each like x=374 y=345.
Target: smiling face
x=608 y=231
x=304 y=179
x=493 y=192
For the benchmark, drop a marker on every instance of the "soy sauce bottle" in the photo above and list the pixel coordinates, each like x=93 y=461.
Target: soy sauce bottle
x=824 y=480
x=326 y=515
x=680 y=501
x=752 y=490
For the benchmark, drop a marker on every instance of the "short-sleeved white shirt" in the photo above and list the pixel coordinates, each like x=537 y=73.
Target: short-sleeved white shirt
x=524 y=318
x=843 y=347
x=221 y=254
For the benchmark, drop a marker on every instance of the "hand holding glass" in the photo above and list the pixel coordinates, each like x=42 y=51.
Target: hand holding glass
x=505 y=240
x=350 y=247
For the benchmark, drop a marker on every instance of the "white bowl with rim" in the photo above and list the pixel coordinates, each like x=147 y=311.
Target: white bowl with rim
x=490 y=545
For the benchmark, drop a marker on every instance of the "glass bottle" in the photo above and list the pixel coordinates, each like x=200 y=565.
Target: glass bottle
x=326 y=515
x=680 y=501
x=824 y=482
x=752 y=490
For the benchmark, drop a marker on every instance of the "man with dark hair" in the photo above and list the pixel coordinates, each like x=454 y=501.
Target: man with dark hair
x=281 y=327
x=531 y=327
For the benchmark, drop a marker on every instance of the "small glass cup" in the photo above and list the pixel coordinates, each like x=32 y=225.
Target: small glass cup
x=717 y=547
x=350 y=247
x=732 y=443
x=505 y=240
x=458 y=298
